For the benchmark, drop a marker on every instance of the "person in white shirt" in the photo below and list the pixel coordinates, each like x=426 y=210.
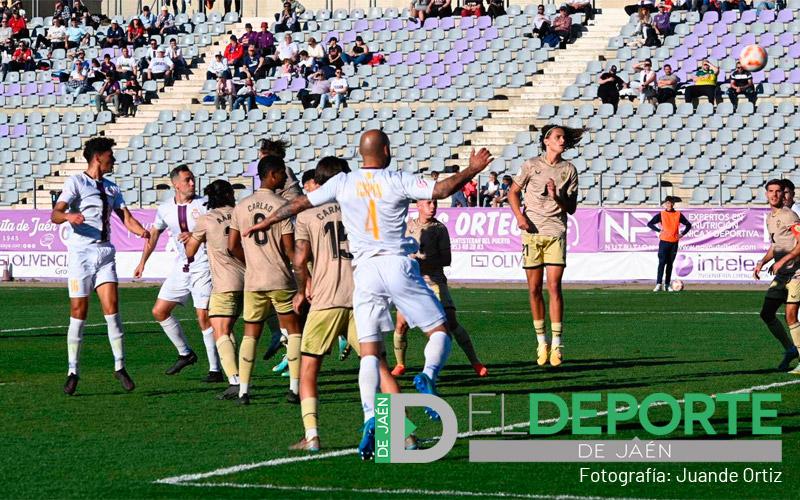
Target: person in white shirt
x=176 y=56
x=374 y=203
x=189 y=277
x=126 y=66
x=160 y=67
x=647 y=81
x=165 y=22
x=56 y=37
x=218 y=67
x=315 y=50
x=338 y=93
x=86 y=203
x=148 y=20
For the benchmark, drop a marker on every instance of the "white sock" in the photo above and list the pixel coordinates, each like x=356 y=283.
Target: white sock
x=556 y=341
x=116 y=340
x=243 y=389
x=233 y=380
x=436 y=352
x=74 y=339
x=311 y=434
x=294 y=385
x=541 y=339
x=172 y=327
x=211 y=350
x=369 y=379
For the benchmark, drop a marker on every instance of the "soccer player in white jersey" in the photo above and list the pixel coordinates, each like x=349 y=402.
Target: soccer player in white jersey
x=86 y=203
x=374 y=203
x=189 y=277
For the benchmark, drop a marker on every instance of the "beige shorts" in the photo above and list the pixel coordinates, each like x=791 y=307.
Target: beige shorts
x=225 y=304
x=539 y=250
x=322 y=328
x=793 y=292
x=258 y=305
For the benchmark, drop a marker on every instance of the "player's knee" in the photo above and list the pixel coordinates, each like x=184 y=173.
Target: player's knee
x=159 y=314
x=78 y=310
x=536 y=290
x=767 y=314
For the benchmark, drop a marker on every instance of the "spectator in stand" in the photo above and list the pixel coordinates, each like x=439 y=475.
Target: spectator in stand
x=217 y=68
x=667 y=86
x=420 y=10
x=115 y=36
x=136 y=33
x=108 y=93
x=5 y=10
x=234 y=53
x=584 y=6
x=160 y=67
x=315 y=50
x=62 y=10
x=562 y=26
x=472 y=8
x=287 y=19
x=541 y=24
x=705 y=84
x=175 y=6
x=496 y=8
x=152 y=51
x=287 y=49
x=334 y=61
x=741 y=83
x=338 y=92
x=228 y=6
x=647 y=81
x=79 y=76
x=254 y=65
x=359 y=54
x=107 y=67
x=677 y=5
x=645 y=27
x=148 y=20
x=770 y=5
x=489 y=190
x=21 y=60
x=78 y=9
x=176 y=55
x=19 y=25
x=661 y=22
x=609 y=86
x=319 y=86
x=77 y=35
x=5 y=34
x=126 y=66
x=246 y=96
x=306 y=66
x=440 y=8
x=650 y=5
x=502 y=194
x=264 y=41
x=724 y=5
x=165 y=23
x=297 y=7
x=56 y=37
x=225 y=93
x=95 y=72
x=334 y=42
x=287 y=69
x=248 y=37
x=470 y=190
x=131 y=97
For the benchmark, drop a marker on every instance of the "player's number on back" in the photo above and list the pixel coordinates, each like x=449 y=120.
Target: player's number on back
x=372 y=221
x=337 y=237
x=260 y=236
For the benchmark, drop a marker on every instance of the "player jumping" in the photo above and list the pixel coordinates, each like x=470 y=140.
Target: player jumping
x=433 y=256
x=86 y=203
x=549 y=186
x=374 y=202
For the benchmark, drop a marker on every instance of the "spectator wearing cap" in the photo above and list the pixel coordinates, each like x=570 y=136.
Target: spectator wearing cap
x=77 y=35
x=668 y=237
x=19 y=25
x=661 y=22
x=315 y=50
x=246 y=96
x=225 y=93
x=319 y=86
x=541 y=24
x=115 y=36
x=160 y=67
x=56 y=37
x=337 y=96
x=647 y=81
x=176 y=55
x=218 y=67
x=264 y=40
x=234 y=52
x=254 y=65
x=650 y=5
x=741 y=84
x=126 y=66
x=496 y=8
x=562 y=25
x=21 y=59
x=667 y=86
x=359 y=54
x=148 y=20
x=136 y=33
x=609 y=86
x=287 y=19
x=248 y=37
x=705 y=84
x=472 y=8
x=108 y=93
x=165 y=22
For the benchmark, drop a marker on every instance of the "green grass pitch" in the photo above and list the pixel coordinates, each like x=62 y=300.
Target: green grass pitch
x=104 y=443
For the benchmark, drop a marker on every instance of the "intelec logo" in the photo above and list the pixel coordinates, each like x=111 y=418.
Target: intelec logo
x=683 y=265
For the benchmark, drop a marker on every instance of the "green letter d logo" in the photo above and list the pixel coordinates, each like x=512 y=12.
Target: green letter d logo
x=391 y=425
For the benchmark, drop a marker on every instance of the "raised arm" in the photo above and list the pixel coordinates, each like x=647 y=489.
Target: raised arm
x=477 y=162
x=131 y=223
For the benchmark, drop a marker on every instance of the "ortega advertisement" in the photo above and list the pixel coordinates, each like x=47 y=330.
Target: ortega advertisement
x=604 y=245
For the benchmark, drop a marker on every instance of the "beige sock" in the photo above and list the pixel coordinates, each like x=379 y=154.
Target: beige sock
x=400 y=345
x=293 y=357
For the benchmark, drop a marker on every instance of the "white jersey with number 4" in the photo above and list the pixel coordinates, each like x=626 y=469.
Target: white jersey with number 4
x=177 y=219
x=374 y=206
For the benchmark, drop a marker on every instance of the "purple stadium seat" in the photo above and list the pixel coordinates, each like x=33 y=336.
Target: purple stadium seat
x=700 y=52
x=710 y=41
x=691 y=41
x=413 y=25
x=728 y=17
x=721 y=29
x=47 y=88
x=431 y=58
x=413 y=58
x=490 y=34
x=701 y=29
x=61 y=89
x=394 y=58
x=472 y=34
x=748 y=17
x=19 y=130
x=2 y=90
x=467 y=22
x=3 y=130
x=467 y=57
x=786 y=39
x=766 y=16
x=479 y=45
x=297 y=84
x=766 y=40
x=436 y=69
x=378 y=25
x=737 y=50
x=360 y=25
x=794 y=51
x=681 y=53
x=450 y=57
x=348 y=37
x=484 y=22
x=776 y=76
x=443 y=82
x=332 y=34
x=794 y=76
x=719 y=52
x=280 y=85
x=103 y=53
x=728 y=40
x=747 y=39
x=395 y=25
x=785 y=16
x=455 y=69
x=689 y=65
x=447 y=23
x=28 y=89
x=460 y=45
x=431 y=23
x=759 y=77
x=424 y=82
x=710 y=17
x=12 y=89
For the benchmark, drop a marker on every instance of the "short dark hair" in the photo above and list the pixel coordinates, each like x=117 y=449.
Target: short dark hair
x=508 y=178
x=220 y=194
x=307 y=176
x=97 y=145
x=329 y=167
x=774 y=182
x=787 y=184
x=572 y=136
x=269 y=164
x=175 y=172
x=274 y=147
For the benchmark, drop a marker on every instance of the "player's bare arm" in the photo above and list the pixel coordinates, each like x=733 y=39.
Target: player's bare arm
x=147 y=251
x=761 y=263
x=192 y=246
x=795 y=253
x=300 y=261
x=235 y=248
x=477 y=162
x=59 y=215
x=292 y=208
x=131 y=223
x=514 y=201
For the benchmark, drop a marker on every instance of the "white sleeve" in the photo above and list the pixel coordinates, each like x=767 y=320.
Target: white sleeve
x=119 y=201
x=159 y=223
x=416 y=187
x=69 y=193
x=328 y=191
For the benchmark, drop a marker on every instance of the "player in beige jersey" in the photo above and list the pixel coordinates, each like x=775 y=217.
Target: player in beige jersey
x=549 y=186
x=227 y=276
x=268 y=281
x=782 y=226
x=433 y=256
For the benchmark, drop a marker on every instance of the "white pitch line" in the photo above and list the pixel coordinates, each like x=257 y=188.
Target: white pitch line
x=626 y=313
x=59 y=327
x=189 y=479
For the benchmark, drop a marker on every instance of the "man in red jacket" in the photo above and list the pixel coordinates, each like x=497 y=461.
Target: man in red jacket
x=234 y=52
x=670 y=220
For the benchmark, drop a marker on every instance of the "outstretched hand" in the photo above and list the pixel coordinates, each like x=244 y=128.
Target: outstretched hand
x=261 y=226
x=480 y=159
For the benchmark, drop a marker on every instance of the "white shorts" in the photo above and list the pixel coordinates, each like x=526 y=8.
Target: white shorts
x=386 y=279
x=90 y=267
x=180 y=285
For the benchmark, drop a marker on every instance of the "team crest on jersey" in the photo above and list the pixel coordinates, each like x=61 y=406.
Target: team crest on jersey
x=195 y=214
x=537 y=171
x=564 y=176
